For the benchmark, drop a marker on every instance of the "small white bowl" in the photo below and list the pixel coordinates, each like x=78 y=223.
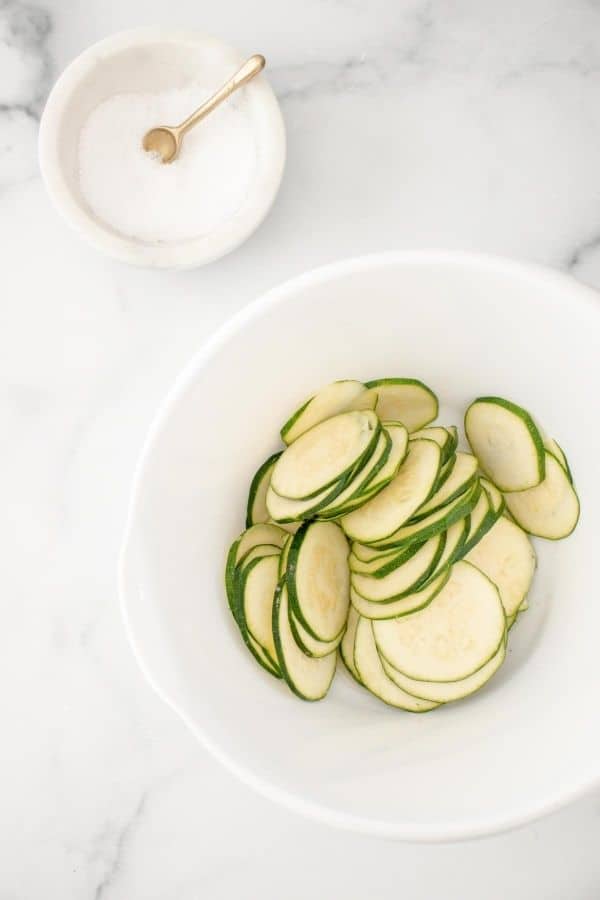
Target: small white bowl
x=146 y=60
x=467 y=325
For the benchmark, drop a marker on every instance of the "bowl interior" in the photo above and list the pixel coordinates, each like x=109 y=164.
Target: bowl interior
x=147 y=61
x=466 y=326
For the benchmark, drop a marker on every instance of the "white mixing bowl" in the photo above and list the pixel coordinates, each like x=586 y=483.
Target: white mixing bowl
x=466 y=325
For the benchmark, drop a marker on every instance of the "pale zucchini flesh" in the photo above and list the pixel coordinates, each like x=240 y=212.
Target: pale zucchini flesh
x=407 y=604
x=359 y=484
x=399 y=438
x=447 y=691
x=308 y=677
x=507 y=443
x=333 y=399
x=550 y=510
x=372 y=675
x=324 y=454
x=259 y=534
x=454 y=636
x=397 y=502
x=559 y=454
x=505 y=554
x=382 y=562
x=405 y=400
x=318 y=579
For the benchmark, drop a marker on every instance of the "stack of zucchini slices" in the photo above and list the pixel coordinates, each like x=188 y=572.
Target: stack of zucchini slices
x=373 y=536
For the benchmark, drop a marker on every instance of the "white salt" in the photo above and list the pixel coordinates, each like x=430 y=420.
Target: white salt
x=136 y=194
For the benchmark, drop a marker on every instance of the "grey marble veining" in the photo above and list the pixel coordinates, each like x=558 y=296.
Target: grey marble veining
x=469 y=124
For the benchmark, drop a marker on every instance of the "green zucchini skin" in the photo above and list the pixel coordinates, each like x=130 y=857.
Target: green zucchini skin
x=255 y=484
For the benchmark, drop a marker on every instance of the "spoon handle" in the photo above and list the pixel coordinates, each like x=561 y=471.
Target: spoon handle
x=247 y=71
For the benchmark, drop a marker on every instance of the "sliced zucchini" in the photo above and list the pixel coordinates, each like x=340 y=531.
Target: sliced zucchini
x=330 y=401
x=405 y=400
x=366 y=400
x=453 y=637
x=323 y=455
x=371 y=673
x=558 y=453
x=290 y=527
x=318 y=579
x=306 y=641
x=550 y=510
x=408 y=604
x=496 y=498
x=258 y=553
x=256 y=508
x=456 y=537
x=253 y=537
x=399 y=437
x=385 y=513
x=256 y=589
x=524 y=606
x=433 y=524
x=406 y=579
x=445 y=473
x=507 y=557
x=462 y=477
x=284 y=556
x=381 y=563
x=361 y=481
x=483 y=517
x=261 y=656
x=447 y=691
x=507 y=443
x=260 y=534
x=447 y=438
x=308 y=677
x=347 y=644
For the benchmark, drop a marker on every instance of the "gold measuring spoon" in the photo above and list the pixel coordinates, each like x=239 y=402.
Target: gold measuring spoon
x=165 y=140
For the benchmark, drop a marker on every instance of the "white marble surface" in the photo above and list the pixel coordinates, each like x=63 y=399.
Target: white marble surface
x=471 y=124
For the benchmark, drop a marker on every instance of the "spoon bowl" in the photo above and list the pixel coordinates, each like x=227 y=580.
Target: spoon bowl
x=163 y=141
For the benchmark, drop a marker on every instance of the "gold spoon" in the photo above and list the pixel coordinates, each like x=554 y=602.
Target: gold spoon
x=165 y=140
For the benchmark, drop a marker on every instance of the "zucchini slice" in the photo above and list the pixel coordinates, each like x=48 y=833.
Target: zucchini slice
x=433 y=524
x=399 y=437
x=359 y=484
x=255 y=591
x=306 y=641
x=256 y=508
x=308 y=677
x=382 y=562
x=456 y=537
x=259 y=534
x=550 y=510
x=462 y=477
x=385 y=513
x=323 y=455
x=447 y=438
x=558 y=453
x=406 y=579
x=405 y=400
x=454 y=636
x=507 y=443
x=371 y=673
x=261 y=656
x=258 y=552
x=507 y=557
x=347 y=643
x=448 y=691
x=318 y=579
x=329 y=401
x=486 y=512
x=410 y=603
x=284 y=556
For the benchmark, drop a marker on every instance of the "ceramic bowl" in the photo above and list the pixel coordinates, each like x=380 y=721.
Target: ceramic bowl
x=152 y=60
x=468 y=326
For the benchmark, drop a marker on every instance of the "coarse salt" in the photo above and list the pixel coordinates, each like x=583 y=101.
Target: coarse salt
x=133 y=192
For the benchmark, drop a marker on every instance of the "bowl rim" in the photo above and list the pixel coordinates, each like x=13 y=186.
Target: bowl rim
x=179 y=254
x=451 y=832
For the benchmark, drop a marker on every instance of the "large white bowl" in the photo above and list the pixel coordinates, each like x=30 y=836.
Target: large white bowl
x=467 y=325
